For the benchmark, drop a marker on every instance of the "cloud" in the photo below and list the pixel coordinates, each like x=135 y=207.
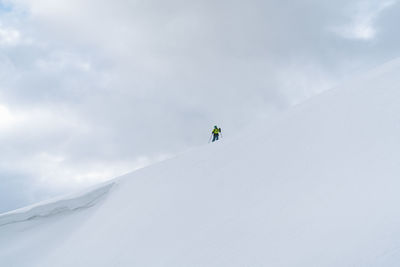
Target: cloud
x=9 y=36
x=362 y=24
x=7 y=119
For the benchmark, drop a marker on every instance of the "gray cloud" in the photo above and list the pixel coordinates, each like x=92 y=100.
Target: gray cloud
x=92 y=89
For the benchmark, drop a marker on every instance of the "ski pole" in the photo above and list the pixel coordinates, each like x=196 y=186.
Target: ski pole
x=210 y=139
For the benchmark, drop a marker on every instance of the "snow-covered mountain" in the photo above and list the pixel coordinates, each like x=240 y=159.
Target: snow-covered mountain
x=318 y=186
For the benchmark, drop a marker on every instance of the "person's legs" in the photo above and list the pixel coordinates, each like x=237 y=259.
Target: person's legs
x=215 y=137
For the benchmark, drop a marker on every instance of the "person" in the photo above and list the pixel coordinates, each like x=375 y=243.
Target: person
x=215 y=132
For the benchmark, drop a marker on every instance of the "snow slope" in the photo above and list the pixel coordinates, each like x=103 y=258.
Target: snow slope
x=318 y=186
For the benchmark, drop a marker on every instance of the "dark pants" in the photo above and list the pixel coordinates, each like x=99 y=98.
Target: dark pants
x=215 y=137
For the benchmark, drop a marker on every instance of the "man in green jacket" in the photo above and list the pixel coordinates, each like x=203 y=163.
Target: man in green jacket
x=215 y=132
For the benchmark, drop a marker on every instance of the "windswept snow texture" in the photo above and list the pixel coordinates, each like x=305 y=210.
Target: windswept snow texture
x=54 y=207
x=319 y=186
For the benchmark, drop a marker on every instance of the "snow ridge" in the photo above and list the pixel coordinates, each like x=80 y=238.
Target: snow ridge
x=84 y=200
x=317 y=186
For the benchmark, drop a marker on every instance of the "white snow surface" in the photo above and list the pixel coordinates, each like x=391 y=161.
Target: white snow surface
x=318 y=186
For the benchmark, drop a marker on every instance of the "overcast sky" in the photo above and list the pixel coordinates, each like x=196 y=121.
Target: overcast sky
x=91 y=89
